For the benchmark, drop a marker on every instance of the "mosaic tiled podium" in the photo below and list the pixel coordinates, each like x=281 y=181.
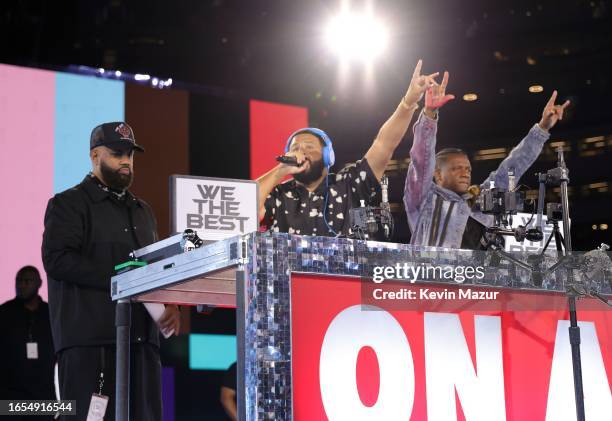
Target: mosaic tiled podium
x=253 y=273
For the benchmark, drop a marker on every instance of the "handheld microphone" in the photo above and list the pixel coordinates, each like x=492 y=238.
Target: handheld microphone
x=288 y=160
x=384 y=188
x=511 y=180
x=474 y=190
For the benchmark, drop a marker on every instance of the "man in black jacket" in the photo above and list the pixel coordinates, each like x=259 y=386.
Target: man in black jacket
x=89 y=229
x=27 y=359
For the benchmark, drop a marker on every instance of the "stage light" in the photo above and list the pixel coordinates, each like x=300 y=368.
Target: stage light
x=470 y=97
x=154 y=81
x=353 y=36
x=603 y=227
x=534 y=89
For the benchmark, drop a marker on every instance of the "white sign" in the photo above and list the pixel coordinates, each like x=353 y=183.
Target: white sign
x=217 y=208
x=531 y=246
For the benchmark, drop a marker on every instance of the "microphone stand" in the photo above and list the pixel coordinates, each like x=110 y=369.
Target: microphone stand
x=572 y=293
x=557 y=176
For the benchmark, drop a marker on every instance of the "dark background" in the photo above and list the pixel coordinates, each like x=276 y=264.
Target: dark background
x=273 y=50
x=227 y=52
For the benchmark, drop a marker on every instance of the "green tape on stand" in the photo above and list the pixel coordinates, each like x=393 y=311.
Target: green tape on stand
x=132 y=264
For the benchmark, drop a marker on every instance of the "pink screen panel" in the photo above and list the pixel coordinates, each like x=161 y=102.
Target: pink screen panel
x=27 y=104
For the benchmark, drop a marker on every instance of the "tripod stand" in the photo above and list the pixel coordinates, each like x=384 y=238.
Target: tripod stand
x=557 y=177
x=560 y=175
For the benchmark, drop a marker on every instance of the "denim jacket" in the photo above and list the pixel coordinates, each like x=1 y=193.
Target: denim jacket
x=438 y=216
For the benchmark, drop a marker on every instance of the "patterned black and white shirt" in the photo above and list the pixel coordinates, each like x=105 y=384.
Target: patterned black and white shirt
x=291 y=208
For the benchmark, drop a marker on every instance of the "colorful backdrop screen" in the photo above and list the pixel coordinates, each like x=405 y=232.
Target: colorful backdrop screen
x=45 y=122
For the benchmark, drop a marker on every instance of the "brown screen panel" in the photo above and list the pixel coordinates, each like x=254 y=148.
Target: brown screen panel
x=160 y=119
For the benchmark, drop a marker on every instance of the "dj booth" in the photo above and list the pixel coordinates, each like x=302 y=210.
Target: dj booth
x=332 y=328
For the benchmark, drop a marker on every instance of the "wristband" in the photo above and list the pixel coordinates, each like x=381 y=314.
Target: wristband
x=408 y=107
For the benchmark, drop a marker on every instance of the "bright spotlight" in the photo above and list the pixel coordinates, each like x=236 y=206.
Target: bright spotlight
x=356 y=36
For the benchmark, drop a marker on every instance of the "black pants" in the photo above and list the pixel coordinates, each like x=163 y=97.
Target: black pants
x=79 y=371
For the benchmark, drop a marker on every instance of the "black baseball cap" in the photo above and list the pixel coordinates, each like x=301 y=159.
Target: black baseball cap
x=115 y=135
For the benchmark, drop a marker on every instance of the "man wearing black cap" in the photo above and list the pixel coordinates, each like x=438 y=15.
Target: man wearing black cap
x=89 y=229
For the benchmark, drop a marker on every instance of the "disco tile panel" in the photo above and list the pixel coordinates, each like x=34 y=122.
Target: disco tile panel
x=268 y=304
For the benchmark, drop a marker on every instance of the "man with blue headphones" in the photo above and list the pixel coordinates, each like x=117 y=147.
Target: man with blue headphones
x=314 y=202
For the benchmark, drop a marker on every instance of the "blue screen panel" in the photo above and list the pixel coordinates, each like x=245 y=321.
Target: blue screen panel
x=211 y=352
x=81 y=103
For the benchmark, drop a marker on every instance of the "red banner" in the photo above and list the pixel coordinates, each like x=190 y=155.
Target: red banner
x=354 y=362
x=271 y=125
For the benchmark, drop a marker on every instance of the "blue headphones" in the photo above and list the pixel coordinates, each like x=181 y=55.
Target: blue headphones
x=328 y=150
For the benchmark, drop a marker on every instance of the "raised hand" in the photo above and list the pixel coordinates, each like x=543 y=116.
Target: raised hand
x=436 y=95
x=418 y=85
x=552 y=113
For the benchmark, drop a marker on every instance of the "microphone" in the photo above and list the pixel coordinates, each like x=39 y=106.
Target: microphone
x=474 y=190
x=384 y=188
x=288 y=160
x=511 y=180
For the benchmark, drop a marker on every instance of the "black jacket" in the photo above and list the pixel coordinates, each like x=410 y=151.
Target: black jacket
x=87 y=232
x=20 y=377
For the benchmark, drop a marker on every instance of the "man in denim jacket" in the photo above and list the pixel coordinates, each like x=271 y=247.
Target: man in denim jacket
x=436 y=191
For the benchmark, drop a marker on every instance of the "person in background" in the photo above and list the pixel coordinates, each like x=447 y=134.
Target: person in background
x=228 y=393
x=27 y=359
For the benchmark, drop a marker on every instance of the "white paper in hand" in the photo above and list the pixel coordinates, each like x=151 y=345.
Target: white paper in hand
x=155 y=311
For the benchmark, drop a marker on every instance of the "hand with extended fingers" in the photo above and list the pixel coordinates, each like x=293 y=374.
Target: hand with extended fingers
x=436 y=95
x=552 y=113
x=418 y=85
